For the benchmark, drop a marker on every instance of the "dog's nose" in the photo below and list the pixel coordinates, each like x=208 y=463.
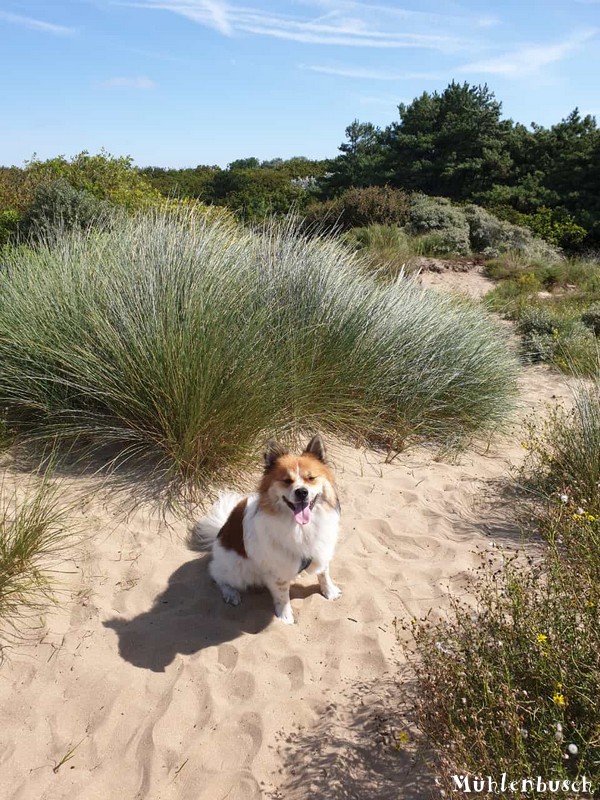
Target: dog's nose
x=301 y=493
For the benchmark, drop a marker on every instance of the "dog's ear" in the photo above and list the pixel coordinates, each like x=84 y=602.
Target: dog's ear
x=316 y=447
x=273 y=451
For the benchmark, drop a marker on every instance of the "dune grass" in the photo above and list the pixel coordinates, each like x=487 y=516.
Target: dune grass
x=187 y=342
x=34 y=529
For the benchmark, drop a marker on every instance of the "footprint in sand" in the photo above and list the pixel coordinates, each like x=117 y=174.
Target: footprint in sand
x=227 y=655
x=237 y=742
x=293 y=667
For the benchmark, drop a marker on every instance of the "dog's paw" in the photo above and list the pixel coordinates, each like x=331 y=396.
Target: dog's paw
x=230 y=595
x=332 y=592
x=285 y=615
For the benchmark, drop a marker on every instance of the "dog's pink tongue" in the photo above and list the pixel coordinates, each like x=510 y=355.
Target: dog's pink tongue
x=303 y=516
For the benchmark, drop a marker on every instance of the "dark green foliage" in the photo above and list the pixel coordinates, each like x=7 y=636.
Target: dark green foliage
x=195 y=182
x=452 y=144
x=362 y=161
x=455 y=144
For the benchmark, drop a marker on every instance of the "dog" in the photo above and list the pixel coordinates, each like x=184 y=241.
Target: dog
x=289 y=525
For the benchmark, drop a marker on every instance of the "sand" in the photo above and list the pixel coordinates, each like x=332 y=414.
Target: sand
x=157 y=689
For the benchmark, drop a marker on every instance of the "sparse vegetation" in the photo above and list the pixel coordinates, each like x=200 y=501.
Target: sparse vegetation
x=34 y=530
x=553 y=306
x=511 y=683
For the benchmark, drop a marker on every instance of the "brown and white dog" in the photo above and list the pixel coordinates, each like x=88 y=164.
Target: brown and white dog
x=268 y=538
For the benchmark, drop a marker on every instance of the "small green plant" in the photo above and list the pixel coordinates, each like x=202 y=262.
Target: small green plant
x=34 y=531
x=511 y=682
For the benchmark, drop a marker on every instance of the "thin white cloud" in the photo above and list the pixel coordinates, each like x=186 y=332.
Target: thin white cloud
x=356 y=29
x=375 y=100
x=212 y=13
x=529 y=59
x=36 y=24
x=370 y=74
x=138 y=82
x=341 y=7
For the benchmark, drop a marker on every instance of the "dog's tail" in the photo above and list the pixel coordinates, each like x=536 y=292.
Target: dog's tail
x=204 y=532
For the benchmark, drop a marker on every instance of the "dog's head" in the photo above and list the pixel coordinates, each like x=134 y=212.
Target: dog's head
x=294 y=484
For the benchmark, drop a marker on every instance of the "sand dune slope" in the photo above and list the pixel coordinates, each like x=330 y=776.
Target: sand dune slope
x=156 y=689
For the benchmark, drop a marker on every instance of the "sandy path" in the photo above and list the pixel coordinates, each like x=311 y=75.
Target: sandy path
x=166 y=692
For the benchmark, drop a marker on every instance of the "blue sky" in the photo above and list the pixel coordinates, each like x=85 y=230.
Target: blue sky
x=186 y=82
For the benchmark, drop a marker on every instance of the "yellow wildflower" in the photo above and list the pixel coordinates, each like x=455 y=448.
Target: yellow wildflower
x=559 y=699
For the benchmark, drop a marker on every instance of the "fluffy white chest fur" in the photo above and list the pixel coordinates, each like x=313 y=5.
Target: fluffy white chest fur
x=267 y=538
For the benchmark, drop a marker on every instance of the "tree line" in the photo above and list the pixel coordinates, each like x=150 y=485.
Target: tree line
x=454 y=144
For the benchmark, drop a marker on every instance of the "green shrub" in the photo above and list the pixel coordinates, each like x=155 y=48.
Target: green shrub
x=492 y=237
x=58 y=206
x=359 y=208
x=444 y=225
x=106 y=177
x=193 y=341
x=9 y=225
x=548 y=335
x=537 y=319
x=591 y=318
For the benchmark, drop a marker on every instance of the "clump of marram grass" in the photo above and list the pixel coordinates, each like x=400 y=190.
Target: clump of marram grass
x=34 y=530
x=188 y=342
x=385 y=248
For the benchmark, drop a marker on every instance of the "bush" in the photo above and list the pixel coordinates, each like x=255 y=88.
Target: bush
x=359 y=208
x=492 y=237
x=537 y=319
x=555 y=338
x=58 y=206
x=442 y=226
x=591 y=318
x=194 y=341
x=9 y=225
x=106 y=177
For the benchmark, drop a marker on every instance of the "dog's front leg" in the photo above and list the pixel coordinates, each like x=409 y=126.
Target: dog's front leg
x=328 y=588
x=280 y=591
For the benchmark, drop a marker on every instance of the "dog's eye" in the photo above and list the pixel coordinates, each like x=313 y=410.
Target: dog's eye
x=310 y=478
x=288 y=481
